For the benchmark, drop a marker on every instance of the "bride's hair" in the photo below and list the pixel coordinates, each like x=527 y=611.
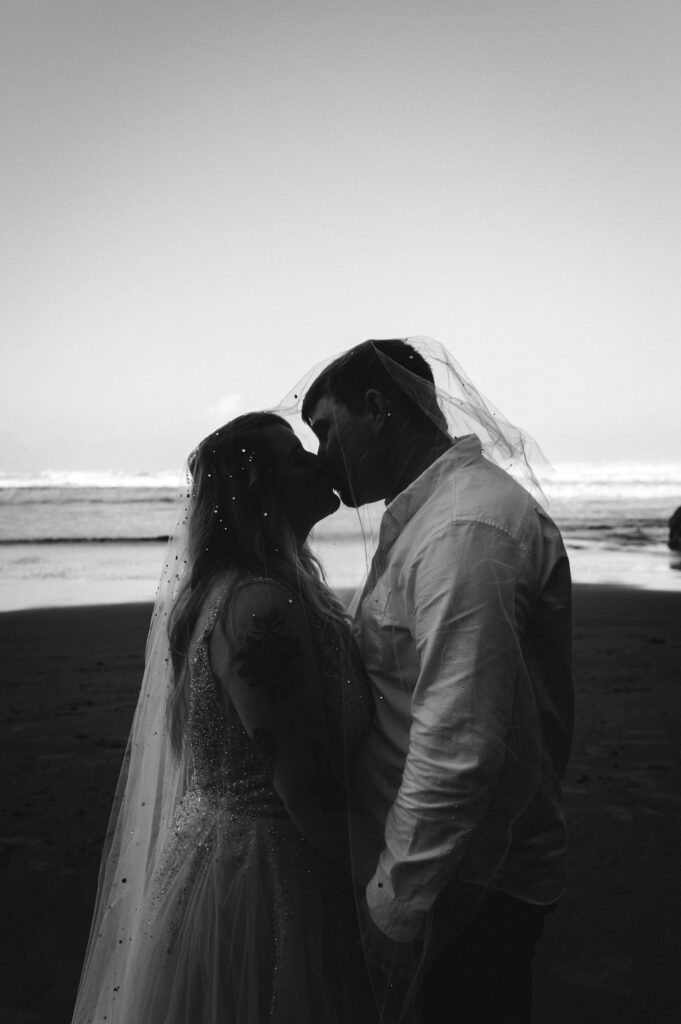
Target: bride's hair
x=235 y=522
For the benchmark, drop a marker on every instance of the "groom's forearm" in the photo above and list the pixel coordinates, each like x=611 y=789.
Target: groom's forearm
x=424 y=846
x=463 y=716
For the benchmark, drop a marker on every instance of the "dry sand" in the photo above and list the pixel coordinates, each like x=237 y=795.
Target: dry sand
x=610 y=953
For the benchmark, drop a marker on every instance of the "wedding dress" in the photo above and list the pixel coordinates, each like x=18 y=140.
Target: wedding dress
x=237 y=917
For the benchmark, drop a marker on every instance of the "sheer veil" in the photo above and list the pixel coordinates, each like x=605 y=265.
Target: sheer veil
x=454 y=403
x=151 y=783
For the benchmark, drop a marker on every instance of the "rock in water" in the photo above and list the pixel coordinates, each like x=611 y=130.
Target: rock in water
x=674 y=541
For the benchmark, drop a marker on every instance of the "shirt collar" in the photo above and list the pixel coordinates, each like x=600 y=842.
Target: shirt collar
x=407 y=503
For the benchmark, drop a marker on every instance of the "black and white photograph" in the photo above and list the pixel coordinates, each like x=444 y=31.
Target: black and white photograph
x=340 y=512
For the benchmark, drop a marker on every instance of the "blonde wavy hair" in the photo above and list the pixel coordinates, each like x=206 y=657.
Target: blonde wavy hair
x=236 y=522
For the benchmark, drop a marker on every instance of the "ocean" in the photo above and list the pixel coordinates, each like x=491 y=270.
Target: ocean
x=99 y=538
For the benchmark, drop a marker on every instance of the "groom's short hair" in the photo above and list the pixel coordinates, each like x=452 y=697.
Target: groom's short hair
x=351 y=375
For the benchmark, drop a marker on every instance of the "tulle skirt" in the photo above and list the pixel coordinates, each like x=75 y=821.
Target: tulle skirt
x=246 y=924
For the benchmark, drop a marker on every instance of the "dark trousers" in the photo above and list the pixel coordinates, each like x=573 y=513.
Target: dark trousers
x=485 y=975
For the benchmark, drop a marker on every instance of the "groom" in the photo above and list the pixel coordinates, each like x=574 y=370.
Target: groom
x=464 y=626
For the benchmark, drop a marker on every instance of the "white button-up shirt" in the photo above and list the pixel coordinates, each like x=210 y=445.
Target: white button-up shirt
x=465 y=630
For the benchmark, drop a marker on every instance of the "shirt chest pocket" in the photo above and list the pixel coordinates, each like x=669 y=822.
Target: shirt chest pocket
x=387 y=643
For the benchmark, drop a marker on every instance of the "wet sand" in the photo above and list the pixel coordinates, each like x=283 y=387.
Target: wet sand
x=610 y=953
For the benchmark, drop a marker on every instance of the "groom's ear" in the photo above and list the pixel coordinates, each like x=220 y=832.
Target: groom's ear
x=377 y=409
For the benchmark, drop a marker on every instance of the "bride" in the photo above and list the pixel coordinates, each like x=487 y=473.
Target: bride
x=225 y=892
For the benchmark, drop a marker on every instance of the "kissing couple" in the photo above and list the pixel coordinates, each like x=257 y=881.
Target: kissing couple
x=325 y=818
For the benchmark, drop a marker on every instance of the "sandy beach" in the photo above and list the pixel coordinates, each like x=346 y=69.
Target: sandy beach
x=610 y=952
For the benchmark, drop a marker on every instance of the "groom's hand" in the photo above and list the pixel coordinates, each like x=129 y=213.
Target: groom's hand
x=392 y=967
x=383 y=954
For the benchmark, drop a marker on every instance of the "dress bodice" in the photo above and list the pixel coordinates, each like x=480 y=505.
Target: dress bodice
x=249 y=917
x=226 y=764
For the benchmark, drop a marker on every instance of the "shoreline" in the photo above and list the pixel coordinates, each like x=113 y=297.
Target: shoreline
x=584 y=592
x=70 y=681
x=71 y=574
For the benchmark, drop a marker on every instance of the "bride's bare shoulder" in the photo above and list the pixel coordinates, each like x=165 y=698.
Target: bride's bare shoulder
x=259 y=598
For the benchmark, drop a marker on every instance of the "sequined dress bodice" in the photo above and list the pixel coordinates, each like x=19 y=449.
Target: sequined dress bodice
x=226 y=765
x=237 y=923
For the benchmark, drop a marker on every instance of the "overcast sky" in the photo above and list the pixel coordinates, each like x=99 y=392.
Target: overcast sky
x=199 y=201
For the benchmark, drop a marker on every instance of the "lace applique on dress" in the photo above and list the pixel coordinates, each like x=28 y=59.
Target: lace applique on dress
x=269 y=656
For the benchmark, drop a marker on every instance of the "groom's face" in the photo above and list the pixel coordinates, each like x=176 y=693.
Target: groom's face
x=347 y=449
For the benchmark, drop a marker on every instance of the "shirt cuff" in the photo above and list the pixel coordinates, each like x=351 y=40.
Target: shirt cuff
x=398 y=920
